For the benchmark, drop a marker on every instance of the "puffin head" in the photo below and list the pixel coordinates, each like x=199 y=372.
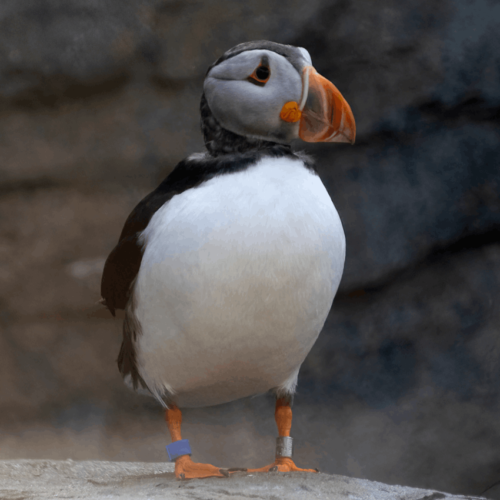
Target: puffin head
x=264 y=92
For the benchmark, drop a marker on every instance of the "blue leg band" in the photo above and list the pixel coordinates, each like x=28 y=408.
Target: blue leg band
x=177 y=449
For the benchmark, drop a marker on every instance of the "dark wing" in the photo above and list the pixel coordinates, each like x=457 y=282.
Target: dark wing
x=120 y=270
x=124 y=262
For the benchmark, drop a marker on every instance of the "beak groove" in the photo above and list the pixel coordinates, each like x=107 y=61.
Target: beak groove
x=326 y=115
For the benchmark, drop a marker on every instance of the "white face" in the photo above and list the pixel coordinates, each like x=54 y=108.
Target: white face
x=251 y=106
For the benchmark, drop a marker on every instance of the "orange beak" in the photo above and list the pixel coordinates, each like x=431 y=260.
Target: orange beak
x=326 y=116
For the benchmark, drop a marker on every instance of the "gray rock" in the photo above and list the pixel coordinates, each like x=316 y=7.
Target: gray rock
x=52 y=51
x=402 y=199
x=385 y=57
x=192 y=34
x=437 y=323
x=98 y=480
x=48 y=47
x=423 y=82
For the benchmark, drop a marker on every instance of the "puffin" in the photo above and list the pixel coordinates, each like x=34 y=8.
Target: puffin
x=228 y=269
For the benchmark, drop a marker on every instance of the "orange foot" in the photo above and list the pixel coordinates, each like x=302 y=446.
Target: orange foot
x=185 y=468
x=282 y=465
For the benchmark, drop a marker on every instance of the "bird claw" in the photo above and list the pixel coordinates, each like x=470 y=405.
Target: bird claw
x=283 y=465
x=185 y=468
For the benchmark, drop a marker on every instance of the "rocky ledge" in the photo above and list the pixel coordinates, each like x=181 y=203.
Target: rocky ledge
x=40 y=479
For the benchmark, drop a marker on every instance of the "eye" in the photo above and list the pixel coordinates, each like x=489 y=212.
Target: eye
x=262 y=73
x=260 y=76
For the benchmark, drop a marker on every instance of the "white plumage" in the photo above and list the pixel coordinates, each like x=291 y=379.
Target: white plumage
x=237 y=278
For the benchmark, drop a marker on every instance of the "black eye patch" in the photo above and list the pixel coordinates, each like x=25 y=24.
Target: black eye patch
x=261 y=74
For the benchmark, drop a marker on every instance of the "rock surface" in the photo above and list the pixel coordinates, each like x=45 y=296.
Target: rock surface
x=39 y=479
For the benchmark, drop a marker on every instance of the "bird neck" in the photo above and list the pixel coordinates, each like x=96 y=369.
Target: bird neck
x=220 y=141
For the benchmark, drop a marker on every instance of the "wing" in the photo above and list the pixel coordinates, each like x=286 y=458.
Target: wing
x=120 y=270
x=124 y=262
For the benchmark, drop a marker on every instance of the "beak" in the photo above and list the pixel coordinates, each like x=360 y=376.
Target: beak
x=326 y=116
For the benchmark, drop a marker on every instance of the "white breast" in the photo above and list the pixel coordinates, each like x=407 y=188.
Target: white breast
x=237 y=278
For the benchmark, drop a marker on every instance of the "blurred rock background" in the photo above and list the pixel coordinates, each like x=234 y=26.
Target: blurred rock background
x=99 y=101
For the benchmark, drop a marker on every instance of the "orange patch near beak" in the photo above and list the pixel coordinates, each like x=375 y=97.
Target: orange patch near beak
x=326 y=116
x=290 y=112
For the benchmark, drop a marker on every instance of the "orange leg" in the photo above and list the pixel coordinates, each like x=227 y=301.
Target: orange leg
x=283 y=417
x=185 y=468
